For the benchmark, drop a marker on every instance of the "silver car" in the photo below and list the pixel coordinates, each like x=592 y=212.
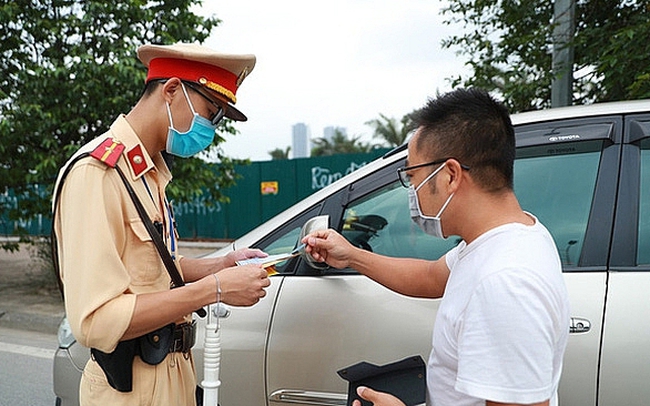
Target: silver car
x=583 y=171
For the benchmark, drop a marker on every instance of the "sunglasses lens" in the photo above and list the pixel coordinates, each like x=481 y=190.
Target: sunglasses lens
x=221 y=112
x=218 y=116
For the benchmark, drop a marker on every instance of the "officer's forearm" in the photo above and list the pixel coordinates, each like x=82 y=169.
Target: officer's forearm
x=197 y=268
x=154 y=310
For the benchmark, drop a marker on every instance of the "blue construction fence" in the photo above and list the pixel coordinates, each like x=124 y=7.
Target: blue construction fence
x=265 y=189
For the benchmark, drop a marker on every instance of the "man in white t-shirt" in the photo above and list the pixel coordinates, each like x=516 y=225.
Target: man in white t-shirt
x=503 y=322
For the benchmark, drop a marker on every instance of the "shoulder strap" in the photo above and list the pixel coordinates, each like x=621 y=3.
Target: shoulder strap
x=177 y=280
x=108 y=151
x=53 y=240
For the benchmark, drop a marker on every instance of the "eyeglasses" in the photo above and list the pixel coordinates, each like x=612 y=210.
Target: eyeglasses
x=404 y=177
x=216 y=117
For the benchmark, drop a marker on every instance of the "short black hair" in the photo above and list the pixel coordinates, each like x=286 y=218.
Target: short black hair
x=150 y=86
x=471 y=126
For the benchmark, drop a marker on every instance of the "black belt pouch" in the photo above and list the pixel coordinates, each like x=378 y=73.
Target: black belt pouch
x=154 y=346
x=118 y=365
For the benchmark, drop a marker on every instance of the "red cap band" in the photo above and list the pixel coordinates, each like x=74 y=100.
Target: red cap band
x=210 y=76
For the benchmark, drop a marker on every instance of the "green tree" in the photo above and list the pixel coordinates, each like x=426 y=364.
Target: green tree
x=68 y=69
x=508 y=47
x=278 y=153
x=389 y=130
x=340 y=144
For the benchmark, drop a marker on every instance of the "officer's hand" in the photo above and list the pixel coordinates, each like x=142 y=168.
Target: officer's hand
x=243 y=253
x=330 y=247
x=243 y=285
x=377 y=398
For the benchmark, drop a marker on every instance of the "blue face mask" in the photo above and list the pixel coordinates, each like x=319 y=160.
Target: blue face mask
x=194 y=140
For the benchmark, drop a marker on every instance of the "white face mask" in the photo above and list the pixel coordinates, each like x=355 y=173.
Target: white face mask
x=428 y=224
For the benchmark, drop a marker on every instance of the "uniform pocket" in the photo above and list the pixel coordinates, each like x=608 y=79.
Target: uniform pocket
x=140 y=255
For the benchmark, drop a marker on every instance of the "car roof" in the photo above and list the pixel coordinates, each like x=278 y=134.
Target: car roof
x=589 y=110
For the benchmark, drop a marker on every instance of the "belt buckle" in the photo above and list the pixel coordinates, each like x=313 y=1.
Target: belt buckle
x=177 y=344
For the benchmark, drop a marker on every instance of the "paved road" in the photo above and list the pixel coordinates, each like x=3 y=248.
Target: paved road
x=26 y=368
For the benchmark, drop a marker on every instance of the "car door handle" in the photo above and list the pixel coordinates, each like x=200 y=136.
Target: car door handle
x=579 y=325
x=309 y=397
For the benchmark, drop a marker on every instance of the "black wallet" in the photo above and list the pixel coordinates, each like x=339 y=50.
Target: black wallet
x=405 y=379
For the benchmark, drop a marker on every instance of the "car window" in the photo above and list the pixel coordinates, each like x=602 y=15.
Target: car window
x=285 y=238
x=556 y=183
x=643 y=250
x=285 y=243
x=380 y=222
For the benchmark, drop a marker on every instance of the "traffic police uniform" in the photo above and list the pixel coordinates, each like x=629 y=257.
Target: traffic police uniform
x=106 y=255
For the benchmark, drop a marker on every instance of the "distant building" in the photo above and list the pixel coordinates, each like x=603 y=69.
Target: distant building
x=300 y=143
x=328 y=132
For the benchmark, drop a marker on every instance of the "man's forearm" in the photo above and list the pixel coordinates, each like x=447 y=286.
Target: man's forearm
x=408 y=276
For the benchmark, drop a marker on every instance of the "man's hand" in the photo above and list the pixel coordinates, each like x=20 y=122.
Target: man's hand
x=242 y=285
x=377 y=398
x=330 y=247
x=243 y=253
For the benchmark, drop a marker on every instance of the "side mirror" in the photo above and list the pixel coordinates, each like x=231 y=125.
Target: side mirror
x=311 y=225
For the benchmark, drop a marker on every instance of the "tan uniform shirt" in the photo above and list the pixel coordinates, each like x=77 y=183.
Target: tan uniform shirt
x=107 y=257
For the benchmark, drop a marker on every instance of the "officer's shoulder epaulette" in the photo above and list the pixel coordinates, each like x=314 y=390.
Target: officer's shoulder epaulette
x=109 y=151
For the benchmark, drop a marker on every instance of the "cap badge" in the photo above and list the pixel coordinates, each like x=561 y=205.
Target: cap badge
x=218 y=88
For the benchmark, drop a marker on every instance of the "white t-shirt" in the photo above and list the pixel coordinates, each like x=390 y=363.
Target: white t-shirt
x=503 y=322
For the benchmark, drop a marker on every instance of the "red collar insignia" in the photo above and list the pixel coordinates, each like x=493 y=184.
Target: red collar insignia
x=136 y=160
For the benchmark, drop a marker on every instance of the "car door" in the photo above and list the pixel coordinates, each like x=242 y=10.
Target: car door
x=566 y=174
x=244 y=332
x=625 y=359
x=330 y=319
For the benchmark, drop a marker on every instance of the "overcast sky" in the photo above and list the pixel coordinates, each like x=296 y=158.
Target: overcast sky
x=330 y=63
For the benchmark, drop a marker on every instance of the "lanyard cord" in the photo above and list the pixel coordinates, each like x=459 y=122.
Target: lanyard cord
x=146 y=185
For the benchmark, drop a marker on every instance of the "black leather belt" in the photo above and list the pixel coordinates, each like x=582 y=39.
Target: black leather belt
x=184 y=337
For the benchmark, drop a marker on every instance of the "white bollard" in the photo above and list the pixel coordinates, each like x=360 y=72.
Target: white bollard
x=211 y=362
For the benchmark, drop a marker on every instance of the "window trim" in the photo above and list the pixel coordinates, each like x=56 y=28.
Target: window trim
x=625 y=236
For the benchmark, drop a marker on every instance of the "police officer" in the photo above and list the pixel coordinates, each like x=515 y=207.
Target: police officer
x=116 y=287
